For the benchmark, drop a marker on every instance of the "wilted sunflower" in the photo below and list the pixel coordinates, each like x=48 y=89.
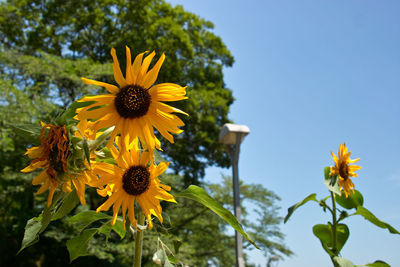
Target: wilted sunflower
x=136 y=106
x=344 y=170
x=134 y=177
x=52 y=154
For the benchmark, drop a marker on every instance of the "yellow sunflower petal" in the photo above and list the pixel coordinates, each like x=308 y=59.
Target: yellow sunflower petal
x=151 y=77
x=109 y=87
x=161 y=168
x=40 y=178
x=51 y=194
x=106 y=205
x=143 y=69
x=35 y=165
x=136 y=67
x=131 y=213
x=80 y=190
x=116 y=207
x=34 y=152
x=119 y=78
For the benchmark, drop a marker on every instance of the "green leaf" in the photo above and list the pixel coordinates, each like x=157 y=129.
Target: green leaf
x=85 y=218
x=105 y=229
x=34 y=227
x=378 y=263
x=168 y=264
x=78 y=245
x=172 y=259
x=331 y=182
x=299 y=204
x=29 y=131
x=352 y=201
x=69 y=203
x=324 y=234
x=118 y=227
x=198 y=194
x=342 y=262
x=67 y=116
x=31 y=235
x=371 y=217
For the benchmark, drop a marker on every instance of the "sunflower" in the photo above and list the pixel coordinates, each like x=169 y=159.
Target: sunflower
x=136 y=106
x=344 y=170
x=52 y=154
x=134 y=177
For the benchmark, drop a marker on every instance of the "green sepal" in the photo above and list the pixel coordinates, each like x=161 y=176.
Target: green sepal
x=104 y=155
x=324 y=234
x=77 y=246
x=177 y=244
x=342 y=262
x=371 y=218
x=299 y=204
x=331 y=182
x=86 y=149
x=198 y=194
x=352 y=201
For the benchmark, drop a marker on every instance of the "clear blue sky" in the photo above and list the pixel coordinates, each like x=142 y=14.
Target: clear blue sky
x=309 y=75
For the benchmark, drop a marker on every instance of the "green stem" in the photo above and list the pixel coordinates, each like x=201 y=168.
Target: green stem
x=137 y=261
x=334 y=234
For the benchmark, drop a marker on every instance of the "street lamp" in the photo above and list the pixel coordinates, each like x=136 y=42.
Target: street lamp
x=233 y=135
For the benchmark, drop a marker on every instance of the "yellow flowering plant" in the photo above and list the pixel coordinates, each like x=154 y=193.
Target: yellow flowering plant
x=346 y=202
x=107 y=142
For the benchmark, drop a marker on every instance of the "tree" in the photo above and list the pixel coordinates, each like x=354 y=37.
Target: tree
x=88 y=29
x=45 y=47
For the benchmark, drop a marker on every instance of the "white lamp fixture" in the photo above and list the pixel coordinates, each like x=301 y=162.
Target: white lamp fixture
x=229 y=132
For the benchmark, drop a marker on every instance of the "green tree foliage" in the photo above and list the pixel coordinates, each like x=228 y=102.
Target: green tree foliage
x=88 y=29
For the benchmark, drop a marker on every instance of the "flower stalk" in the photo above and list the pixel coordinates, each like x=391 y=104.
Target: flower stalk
x=137 y=261
x=334 y=234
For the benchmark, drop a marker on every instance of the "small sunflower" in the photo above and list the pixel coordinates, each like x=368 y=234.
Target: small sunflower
x=136 y=106
x=52 y=154
x=344 y=170
x=134 y=177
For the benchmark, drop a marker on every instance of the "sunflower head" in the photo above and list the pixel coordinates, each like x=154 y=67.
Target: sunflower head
x=62 y=163
x=136 y=106
x=344 y=170
x=133 y=179
x=52 y=152
x=52 y=155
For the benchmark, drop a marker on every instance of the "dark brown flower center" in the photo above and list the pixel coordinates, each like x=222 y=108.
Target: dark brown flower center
x=55 y=146
x=344 y=170
x=136 y=180
x=132 y=102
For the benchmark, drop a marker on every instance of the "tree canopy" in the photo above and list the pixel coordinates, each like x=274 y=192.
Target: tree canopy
x=45 y=47
x=86 y=30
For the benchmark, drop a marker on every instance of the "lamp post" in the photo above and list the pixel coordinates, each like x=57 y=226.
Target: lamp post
x=233 y=135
